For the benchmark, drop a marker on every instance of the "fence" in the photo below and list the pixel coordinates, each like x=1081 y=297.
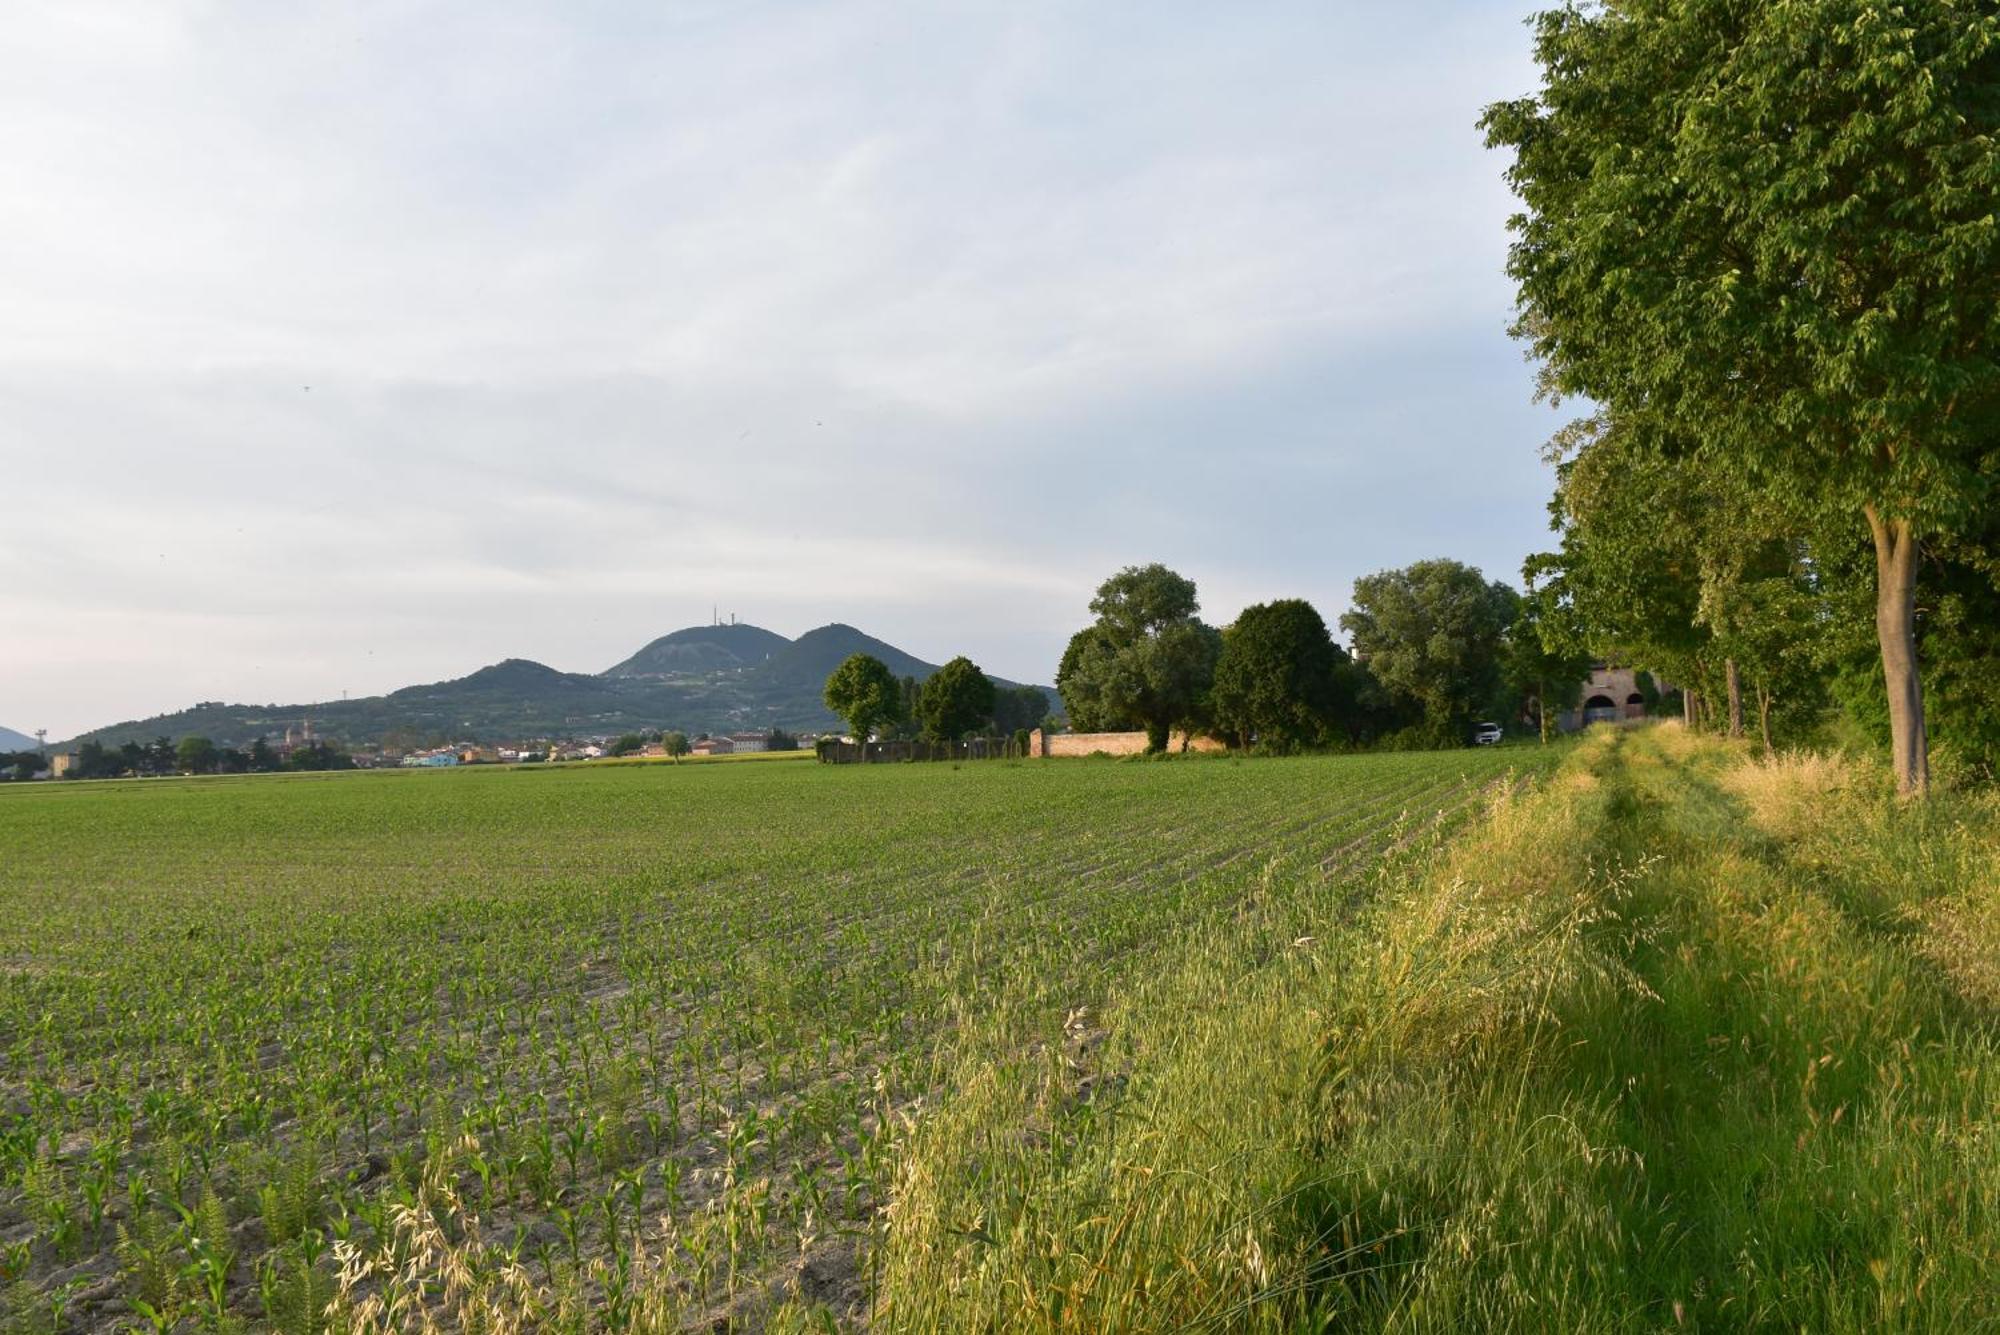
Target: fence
x=886 y=753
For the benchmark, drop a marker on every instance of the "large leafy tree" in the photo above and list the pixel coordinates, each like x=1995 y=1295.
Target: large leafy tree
x=1147 y=661
x=1277 y=677
x=865 y=692
x=1432 y=633
x=195 y=755
x=1770 y=228
x=956 y=700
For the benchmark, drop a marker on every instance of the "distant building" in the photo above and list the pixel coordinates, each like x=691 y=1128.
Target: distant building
x=749 y=741
x=60 y=764
x=1610 y=695
x=713 y=746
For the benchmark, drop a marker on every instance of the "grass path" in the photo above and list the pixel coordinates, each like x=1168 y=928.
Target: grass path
x=1680 y=1041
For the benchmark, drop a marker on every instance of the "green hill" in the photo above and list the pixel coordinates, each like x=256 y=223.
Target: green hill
x=736 y=678
x=700 y=650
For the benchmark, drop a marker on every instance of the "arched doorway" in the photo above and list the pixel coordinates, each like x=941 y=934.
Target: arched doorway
x=1635 y=705
x=1600 y=709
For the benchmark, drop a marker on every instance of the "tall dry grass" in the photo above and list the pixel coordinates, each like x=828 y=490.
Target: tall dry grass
x=1683 y=1039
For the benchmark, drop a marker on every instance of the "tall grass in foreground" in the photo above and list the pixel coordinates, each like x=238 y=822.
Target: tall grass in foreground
x=1679 y=1040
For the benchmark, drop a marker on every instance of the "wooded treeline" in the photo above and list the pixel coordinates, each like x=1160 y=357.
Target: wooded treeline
x=1761 y=240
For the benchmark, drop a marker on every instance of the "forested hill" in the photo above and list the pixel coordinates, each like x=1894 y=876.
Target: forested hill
x=734 y=678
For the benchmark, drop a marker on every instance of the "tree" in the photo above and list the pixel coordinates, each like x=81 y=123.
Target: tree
x=676 y=744
x=863 y=691
x=1019 y=708
x=957 y=699
x=195 y=755
x=780 y=740
x=1769 y=228
x=1276 y=679
x=1545 y=658
x=628 y=745
x=318 y=755
x=95 y=761
x=1147 y=661
x=1432 y=633
x=262 y=758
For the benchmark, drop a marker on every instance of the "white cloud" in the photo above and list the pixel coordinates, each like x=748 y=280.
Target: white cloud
x=355 y=345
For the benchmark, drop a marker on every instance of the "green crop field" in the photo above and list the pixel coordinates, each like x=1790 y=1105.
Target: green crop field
x=607 y=1046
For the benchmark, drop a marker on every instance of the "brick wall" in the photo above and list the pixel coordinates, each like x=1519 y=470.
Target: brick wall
x=1108 y=743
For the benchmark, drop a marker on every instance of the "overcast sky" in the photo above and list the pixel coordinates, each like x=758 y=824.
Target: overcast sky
x=345 y=346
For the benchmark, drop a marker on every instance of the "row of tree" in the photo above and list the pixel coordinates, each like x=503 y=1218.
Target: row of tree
x=956 y=701
x=1436 y=646
x=199 y=755
x=21 y=765
x=1760 y=240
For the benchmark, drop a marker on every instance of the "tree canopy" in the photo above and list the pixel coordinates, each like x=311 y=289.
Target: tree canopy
x=1277 y=677
x=196 y=755
x=1146 y=662
x=865 y=692
x=956 y=700
x=1766 y=234
x=1433 y=632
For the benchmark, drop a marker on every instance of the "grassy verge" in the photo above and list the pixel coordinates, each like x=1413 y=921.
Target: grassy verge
x=1677 y=1040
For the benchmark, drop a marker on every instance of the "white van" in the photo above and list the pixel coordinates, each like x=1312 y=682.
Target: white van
x=1486 y=734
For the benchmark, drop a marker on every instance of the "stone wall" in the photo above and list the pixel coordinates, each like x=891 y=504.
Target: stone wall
x=1109 y=743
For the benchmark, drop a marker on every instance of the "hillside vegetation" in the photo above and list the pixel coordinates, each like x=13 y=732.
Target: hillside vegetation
x=1682 y=1040
x=702 y=679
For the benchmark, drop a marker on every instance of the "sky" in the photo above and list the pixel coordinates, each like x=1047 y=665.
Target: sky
x=351 y=345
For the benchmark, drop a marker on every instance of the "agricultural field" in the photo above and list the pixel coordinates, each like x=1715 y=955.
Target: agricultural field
x=618 y=1047
x=1682 y=1037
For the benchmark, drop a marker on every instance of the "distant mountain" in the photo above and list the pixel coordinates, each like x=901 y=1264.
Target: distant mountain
x=809 y=660
x=737 y=678
x=700 y=650
x=16 y=741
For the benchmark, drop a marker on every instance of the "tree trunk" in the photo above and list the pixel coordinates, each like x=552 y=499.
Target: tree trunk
x=1764 y=716
x=1896 y=630
x=1542 y=709
x=1156 y=737
x=1687 y=708
x=1735 y=697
